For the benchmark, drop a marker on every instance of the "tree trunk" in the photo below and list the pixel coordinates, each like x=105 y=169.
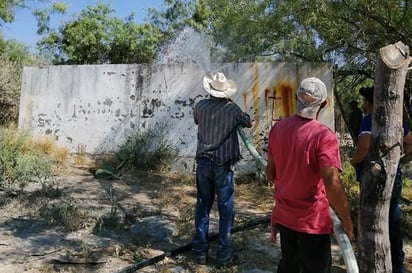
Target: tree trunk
x=382 y=160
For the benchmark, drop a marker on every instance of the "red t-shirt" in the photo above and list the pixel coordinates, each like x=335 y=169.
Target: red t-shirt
x=300 y=147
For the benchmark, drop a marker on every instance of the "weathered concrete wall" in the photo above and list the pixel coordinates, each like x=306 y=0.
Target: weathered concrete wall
x=93 y=108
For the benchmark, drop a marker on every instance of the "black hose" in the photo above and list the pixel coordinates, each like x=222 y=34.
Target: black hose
x=139 y=265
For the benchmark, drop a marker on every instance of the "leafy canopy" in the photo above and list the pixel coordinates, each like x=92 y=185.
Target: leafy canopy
x=96 y=37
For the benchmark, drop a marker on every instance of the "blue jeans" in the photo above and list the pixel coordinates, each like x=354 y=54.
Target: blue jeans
x=395 y=234
x=213 y=179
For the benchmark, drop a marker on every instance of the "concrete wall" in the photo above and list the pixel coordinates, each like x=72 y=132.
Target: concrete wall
x=94 y=108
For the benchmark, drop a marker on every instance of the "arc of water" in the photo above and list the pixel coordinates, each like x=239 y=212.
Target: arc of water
x=343 y=240
x=190 y=45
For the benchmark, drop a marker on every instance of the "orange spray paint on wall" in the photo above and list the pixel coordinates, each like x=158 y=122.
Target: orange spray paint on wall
x=256 y=107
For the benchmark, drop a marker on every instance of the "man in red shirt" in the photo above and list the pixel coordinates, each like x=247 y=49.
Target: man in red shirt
x=304 y=164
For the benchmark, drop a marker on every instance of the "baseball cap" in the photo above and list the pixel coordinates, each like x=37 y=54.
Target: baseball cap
x=310 y=94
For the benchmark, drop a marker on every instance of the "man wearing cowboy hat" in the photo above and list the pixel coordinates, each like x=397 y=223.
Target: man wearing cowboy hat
x=217 y=151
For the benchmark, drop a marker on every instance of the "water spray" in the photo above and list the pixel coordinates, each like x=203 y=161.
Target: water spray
x=190 y=46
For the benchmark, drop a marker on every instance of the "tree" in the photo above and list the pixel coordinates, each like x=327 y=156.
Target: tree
x=13 y=56
x=178 y=14
x=95 y=36
x=7 y=10
x=346 y=33
x=382 y=160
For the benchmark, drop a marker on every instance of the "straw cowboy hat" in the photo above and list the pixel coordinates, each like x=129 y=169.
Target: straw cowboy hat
x=218 y=86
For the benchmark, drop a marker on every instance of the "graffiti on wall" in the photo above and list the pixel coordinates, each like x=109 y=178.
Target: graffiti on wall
x=96 y=107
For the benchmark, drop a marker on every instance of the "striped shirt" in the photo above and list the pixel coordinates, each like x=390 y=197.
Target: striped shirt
x=217 y=138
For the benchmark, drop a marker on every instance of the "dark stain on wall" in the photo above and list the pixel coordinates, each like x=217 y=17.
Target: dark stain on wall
x=149 y=107
x=42 y=121
x=185 y=103
x=108 y=102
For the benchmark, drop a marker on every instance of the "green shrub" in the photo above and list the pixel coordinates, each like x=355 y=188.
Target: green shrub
x=147 y=150
x=151 y=149
x=348 y=177
x=21 y=165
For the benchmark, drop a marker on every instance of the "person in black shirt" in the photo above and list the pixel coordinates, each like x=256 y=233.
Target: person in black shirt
x=355 y=119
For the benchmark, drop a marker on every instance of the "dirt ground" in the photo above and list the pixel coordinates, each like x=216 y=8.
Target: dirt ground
x=91 y=225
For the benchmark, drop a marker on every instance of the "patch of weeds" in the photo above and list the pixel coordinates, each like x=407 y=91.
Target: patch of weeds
x=46 y=268
x=109 y=221
x=407 y=188
x=33 y=168
x=67 y=215
x=250 y=178
x=47 y=145
x=21 y=162
x=352 y=190
x=81 y=159
x=60 y=155
x=151 y=149
x=185 y=179
x=346 y=152
x=186 y=220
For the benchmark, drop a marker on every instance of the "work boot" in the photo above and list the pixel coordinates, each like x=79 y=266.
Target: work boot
x=201 y=259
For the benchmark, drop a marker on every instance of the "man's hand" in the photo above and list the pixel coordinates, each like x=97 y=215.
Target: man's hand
x=273 y=232
x=348 y=227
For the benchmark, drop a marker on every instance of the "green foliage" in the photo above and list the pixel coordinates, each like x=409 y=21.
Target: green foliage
x=185 y=179
x=348 y=34
x=348 y=178
x=20 y=165
x=151 y=149
x=147 y=150
x=7 y=10
x=407 y=182
x=96 y=37
x=10 y=75
x=13 y=56
x=177 y=14
x=8 y=7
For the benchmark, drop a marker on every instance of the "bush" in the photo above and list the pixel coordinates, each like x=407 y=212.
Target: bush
x=20 y=163
x=10 y=77
x=151 y=149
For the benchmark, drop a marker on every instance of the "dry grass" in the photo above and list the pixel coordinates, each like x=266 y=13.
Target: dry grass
x=46 y=145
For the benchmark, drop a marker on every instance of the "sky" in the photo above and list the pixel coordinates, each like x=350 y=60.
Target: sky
x=24 y=26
